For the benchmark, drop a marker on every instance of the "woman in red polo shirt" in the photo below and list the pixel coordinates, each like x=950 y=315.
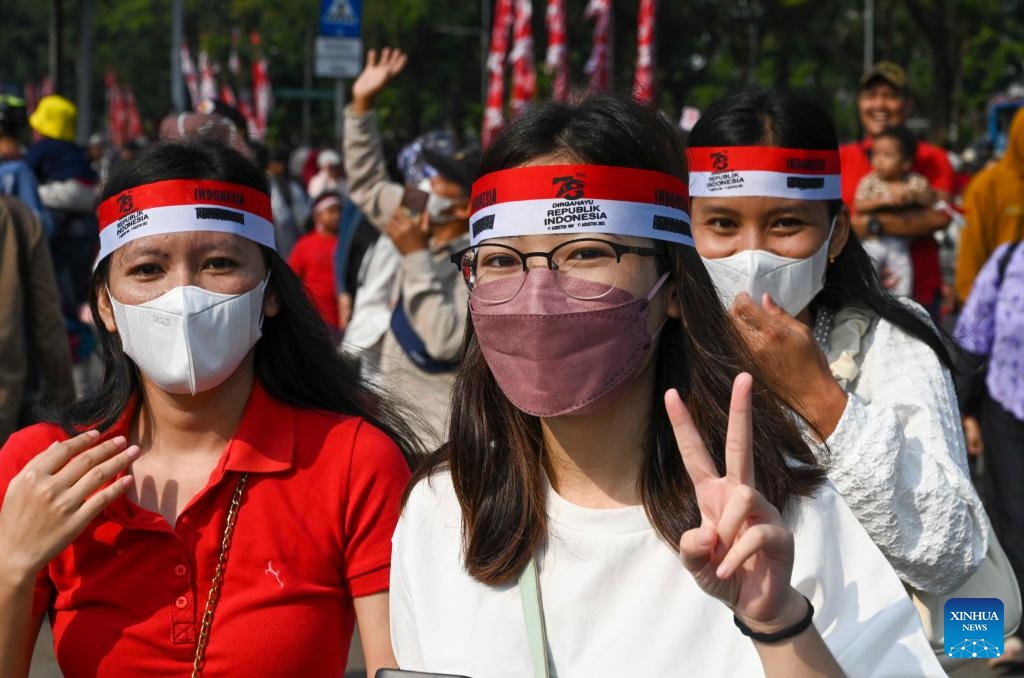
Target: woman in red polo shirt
x=224 y=504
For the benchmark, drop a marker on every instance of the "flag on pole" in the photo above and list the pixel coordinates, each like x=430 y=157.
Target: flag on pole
x=188 y=71
x=131 y=117
x=524 y=73
x=643 y=82
x=115 y=110
x=234 y=63
x=598 y=66
x=207 y=80
x=555 y=59
x=262 y=95
x=494 y=117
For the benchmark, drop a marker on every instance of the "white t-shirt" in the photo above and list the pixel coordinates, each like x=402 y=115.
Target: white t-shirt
x=617 y=601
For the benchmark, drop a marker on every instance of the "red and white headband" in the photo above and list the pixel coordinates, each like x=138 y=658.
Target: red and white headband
x=735 y=171
x=579 y=199
x=180 y=205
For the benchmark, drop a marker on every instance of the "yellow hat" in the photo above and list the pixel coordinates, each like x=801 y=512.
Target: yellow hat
x=54 y=117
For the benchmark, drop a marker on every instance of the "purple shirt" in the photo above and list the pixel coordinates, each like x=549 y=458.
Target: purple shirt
x=992 y=324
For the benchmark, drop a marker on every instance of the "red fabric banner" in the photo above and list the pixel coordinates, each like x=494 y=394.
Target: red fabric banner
x=524 y=73
x=599 y=65
x=643 y=82
x=558 y=46
x=494 y=117
x=188 y=71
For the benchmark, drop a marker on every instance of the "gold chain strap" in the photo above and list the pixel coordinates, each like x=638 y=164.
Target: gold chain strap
x=218 y=577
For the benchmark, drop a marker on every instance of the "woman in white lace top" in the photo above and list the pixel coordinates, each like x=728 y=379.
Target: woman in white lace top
x=867 y=372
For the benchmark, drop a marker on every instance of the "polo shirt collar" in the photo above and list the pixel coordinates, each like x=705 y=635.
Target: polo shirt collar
x=265 y=439
x=263 y=443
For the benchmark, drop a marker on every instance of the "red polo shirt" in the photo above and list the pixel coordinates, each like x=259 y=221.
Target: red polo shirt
x=932 y=162
x=314 y=529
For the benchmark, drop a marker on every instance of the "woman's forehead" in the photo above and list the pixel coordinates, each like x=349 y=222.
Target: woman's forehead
x=186 y=243
x=543 y=243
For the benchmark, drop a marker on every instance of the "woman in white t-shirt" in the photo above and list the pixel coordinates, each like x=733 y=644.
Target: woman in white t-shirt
x=571 y=452
x=866 y=370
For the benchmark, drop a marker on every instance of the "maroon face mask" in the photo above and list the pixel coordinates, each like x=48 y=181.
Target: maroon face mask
x=552 y=354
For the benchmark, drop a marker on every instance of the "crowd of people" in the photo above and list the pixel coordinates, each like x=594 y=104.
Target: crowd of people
x=600 y=399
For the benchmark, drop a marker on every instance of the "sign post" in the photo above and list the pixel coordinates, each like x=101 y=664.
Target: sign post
x=339 y=48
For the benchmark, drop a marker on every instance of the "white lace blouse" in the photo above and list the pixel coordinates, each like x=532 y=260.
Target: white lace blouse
x=897 y=455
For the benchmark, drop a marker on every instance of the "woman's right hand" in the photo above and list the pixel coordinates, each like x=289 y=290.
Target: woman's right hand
x=742 y=552
x=50 y=502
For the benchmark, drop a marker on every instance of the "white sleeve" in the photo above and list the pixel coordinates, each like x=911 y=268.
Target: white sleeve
x=897 y=456
x=861 y=609
x=404 y=639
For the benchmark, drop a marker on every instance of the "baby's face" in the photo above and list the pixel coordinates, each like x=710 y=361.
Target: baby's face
x=887 y=159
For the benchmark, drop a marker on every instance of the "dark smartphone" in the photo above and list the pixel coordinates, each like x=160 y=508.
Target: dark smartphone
x=414 y=200
x=399 y=673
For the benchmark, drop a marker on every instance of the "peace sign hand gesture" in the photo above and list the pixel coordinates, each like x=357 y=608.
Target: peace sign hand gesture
x=742 y=553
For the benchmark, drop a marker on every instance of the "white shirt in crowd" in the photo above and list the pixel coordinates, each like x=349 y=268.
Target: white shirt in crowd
x=618 y=602
x=897 y=456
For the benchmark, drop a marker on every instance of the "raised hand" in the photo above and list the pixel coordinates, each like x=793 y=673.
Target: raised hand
x=409 y=233
x=742 y=553
x=56 y=495
x=376 y=74
x=790 y=360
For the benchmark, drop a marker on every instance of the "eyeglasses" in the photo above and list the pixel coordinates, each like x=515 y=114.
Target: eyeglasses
x=589 y=268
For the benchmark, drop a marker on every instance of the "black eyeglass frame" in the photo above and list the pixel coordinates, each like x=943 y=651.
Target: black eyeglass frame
x=617 y=247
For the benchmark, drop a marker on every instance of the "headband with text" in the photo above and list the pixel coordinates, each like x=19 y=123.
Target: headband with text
x=575 y=199
x=766 y=171
x=180 y=205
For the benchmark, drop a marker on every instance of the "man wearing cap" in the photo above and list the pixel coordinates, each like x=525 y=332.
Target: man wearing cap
x=884 y=101
x=410 y=310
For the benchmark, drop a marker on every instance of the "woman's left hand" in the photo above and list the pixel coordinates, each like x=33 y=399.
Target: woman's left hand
x=742 y=553
x=790 y=361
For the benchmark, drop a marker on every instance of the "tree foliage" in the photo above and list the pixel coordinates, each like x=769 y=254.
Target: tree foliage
x=959 y=53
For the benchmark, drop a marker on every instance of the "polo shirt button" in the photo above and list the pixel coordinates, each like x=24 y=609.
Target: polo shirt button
x=180 y=570
x=181 y=603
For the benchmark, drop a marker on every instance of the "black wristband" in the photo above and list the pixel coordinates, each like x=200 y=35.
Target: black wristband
x=784 y=634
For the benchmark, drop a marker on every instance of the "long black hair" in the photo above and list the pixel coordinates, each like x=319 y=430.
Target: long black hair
x=295 y=358
x=495 y=451
x=766 y=118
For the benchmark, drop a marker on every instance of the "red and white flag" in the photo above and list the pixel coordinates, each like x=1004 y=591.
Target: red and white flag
x=132 y=119
x=643 y=82
x=234 y=63
x=263 y=99
x=188 y=71
x=598 y=66
x=555 y=59
x=115 y=110
x=207 y=80
x=524 y=73
x=494 y=116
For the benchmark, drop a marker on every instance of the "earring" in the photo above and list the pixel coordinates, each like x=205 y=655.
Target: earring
x=831 y=258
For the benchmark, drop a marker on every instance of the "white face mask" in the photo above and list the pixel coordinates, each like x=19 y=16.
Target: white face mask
x=189 y=339
x=792 y=283
x=436 y=204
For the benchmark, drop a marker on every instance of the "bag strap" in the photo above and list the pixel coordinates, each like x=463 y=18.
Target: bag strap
x=533 y=611
x=1004 y=262
x=413 y=346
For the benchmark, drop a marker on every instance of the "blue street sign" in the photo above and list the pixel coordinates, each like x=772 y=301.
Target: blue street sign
x=341 y=18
